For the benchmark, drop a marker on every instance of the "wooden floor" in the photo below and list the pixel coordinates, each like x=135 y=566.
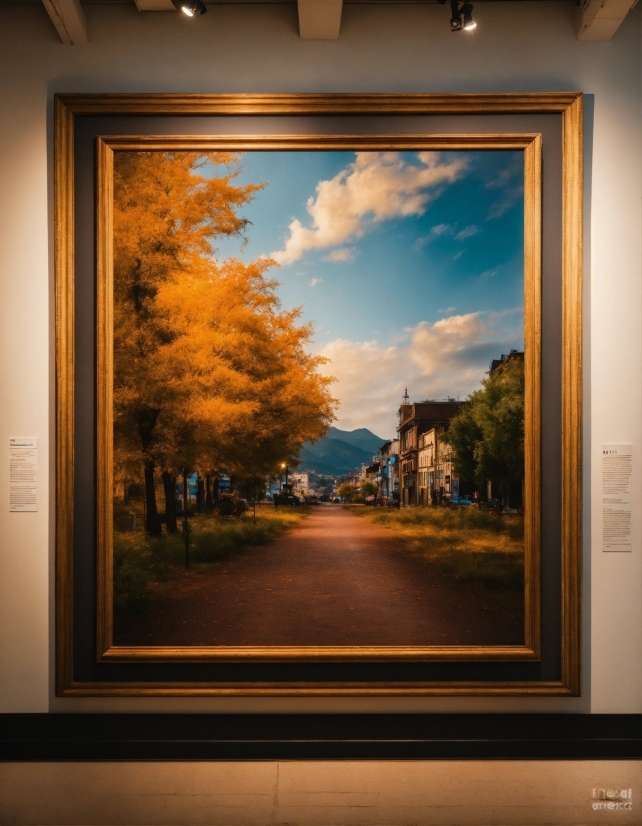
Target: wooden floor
x=483 y=793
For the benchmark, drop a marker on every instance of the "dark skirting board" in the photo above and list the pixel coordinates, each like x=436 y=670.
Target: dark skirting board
x=52 y=737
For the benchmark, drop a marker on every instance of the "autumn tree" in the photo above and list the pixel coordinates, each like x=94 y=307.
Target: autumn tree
x=345 y=490
x=167 y=211
x=487 y=437
x=209 y=372
x=255 y=395
x=368 y=488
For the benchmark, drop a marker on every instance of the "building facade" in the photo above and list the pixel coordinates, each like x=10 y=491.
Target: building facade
x=415 y=419
x=300 y=484
x=436 y=479
x=389 y=471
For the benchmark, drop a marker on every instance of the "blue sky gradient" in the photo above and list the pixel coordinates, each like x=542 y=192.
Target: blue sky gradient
x=410 y=266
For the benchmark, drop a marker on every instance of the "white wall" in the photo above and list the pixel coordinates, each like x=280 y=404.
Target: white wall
x=403 y=48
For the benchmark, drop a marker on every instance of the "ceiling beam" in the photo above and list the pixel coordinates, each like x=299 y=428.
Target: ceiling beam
x=155 y=5
x=600 y=19
x=69 y=20
x=319 y=19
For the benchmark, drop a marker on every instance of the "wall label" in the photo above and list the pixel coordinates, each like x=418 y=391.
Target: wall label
x=23 y=474
x=617 y=469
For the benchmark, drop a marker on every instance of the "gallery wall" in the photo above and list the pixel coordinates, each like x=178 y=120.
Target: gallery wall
x=518 y=47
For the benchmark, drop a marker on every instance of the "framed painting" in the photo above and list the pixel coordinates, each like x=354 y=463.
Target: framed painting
x=316 y=356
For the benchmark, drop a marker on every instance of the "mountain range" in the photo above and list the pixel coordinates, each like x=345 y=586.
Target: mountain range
x=340 y=451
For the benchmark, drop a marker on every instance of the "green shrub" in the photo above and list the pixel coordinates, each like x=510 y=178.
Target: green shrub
x=124 y=519
x=132 y=562
x=139 y=561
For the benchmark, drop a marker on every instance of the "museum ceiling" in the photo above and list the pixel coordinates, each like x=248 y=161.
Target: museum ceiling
x=321 y=19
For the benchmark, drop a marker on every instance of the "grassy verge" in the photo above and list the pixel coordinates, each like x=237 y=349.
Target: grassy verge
x=464 y=542
x=140 y=562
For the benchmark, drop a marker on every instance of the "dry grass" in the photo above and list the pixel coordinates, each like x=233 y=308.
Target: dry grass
x=140 y=562
x=464 y=542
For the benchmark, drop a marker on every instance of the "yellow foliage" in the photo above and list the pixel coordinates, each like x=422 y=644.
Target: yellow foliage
x=209 y=371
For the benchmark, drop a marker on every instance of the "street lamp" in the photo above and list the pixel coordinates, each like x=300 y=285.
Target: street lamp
x=284 y=467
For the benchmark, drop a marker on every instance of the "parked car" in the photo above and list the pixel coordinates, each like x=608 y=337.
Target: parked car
x=286 y=499
x=465 y=500
x=490 y=506
x=312 y=500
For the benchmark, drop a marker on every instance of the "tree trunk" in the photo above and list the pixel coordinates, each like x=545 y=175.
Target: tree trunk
x=169 y=486
x=146 y=421
x=200 y=494
x=209 y=501
x=152 y=519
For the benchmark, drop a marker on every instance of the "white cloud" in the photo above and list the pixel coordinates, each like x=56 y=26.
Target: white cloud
x=342 y=254
x=376 y=187
x=315 y=281
x=490 y=273
x=370 y=383
x=466 y=233
x=511 y=181
x=458 y=255
x=441 y=229
x=437 y=231
x=510 y=197
x=507 y=175
x=444 y=230
x=447 y=358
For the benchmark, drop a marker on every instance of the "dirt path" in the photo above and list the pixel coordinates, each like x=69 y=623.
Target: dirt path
x=334 y=579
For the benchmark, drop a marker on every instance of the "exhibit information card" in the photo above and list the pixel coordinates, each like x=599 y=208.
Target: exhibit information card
x=23 y=473
x=617 y=468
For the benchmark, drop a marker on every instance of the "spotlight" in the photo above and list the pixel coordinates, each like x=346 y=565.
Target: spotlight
x=455 y=20
x=467 y=11
x=190 y=7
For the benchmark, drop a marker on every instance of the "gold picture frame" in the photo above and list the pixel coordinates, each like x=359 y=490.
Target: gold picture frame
x=569 y=108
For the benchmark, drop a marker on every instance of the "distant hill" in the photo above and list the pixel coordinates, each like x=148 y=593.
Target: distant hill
x=340 y=451
x=361 y=437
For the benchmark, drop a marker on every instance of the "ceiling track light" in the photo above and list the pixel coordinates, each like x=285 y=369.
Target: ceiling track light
x=461 y=18
x=467 y=12
x=191 y=8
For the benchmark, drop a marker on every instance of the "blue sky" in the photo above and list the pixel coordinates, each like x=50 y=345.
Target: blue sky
x=410 y=265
